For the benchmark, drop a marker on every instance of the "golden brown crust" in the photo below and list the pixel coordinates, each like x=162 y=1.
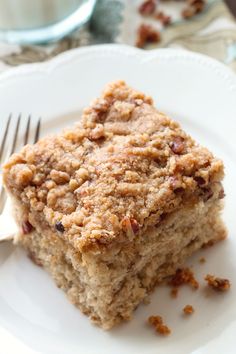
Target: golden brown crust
x=121 y=169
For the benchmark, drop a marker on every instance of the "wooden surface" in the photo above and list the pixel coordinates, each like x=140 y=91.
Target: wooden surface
x=232 y=5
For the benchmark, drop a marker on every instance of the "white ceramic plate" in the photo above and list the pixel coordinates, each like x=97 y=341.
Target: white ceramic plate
x=199 y=92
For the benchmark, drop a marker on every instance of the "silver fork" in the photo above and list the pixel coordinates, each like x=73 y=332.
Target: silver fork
x=11 y=140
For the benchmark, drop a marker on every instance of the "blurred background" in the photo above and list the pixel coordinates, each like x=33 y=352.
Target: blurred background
x=37 y=30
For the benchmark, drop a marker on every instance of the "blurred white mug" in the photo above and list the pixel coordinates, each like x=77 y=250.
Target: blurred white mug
x=39 y=21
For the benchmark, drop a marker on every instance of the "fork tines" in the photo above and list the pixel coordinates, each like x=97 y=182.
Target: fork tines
x=12 y=139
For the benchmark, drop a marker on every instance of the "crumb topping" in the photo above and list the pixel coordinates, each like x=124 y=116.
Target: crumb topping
x=160 y=327
x=118 y=171
x=218 y=284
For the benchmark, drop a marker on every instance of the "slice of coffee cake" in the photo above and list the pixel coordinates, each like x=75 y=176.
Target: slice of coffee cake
x=116 y=204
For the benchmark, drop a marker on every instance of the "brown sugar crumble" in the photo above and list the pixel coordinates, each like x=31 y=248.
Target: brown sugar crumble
x=174 y=293
x=184 y=276
x=147 y=34
x=160 y=327
x=216 y=283
x=188 y=310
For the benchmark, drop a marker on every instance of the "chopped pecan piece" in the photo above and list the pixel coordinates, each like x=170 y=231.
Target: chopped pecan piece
x=163 y=18
x=59 y=226
x=188 y=13
x=147 y=34
x=134 y=225
x=148 y=7
x=26 y=227
x=177 y=145
x=198 y=5
x=131 y=226
x=194 y=7
x=200 y=180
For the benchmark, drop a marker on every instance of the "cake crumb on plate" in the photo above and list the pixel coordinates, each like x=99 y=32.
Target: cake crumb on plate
x=184 y=276
x=216 y=283
x=160 y=327
x=188 y=310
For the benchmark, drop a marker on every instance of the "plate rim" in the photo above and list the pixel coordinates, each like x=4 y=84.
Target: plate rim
x=220 y=69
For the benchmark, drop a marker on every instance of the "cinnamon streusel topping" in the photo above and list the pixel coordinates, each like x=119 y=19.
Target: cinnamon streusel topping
x=121 y=168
